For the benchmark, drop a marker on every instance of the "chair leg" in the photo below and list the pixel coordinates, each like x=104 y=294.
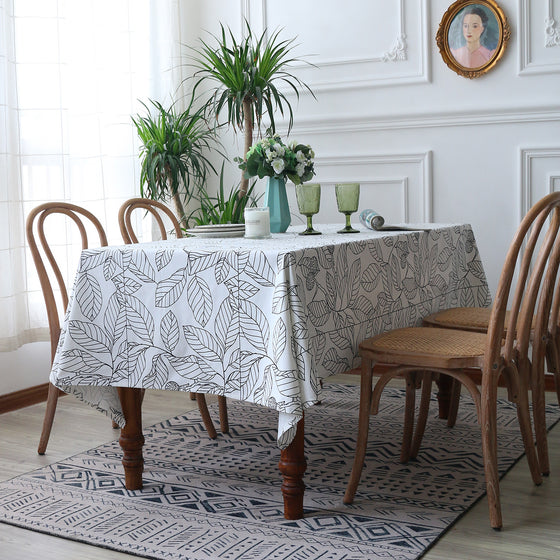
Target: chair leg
x=488 y=428
x=52 y=399
x=539 y=420
x=409 y=409
x=454 y=403
x=203 y=408
x=422 y=414
x=224 y=421
x=363 y=429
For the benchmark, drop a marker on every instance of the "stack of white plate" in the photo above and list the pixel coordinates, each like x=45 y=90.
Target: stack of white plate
x=218 y=230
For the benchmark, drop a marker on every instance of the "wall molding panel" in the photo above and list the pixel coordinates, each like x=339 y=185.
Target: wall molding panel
x=401 y=56
x=396 y=185
x=325 y=124
x=539 y=37
x=539 y=176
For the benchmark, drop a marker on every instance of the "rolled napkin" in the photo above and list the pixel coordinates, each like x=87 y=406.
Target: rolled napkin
x=371 y=219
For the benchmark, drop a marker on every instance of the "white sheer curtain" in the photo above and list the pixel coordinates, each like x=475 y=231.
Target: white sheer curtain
x=71 y=75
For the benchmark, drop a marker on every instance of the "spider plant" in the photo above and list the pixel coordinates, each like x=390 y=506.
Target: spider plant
x=246 y=74
x=173 y=153
x=223 y=209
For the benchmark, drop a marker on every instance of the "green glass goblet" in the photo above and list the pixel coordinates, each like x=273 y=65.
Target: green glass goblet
x=347 y=197
x=308 y=196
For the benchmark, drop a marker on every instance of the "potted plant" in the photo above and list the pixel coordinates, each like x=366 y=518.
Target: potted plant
x=222 y=209
x=246 y=74
x=272 y=158
x=174 y=148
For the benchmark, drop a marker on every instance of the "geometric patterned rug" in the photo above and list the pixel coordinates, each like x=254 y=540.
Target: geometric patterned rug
x=221 y=499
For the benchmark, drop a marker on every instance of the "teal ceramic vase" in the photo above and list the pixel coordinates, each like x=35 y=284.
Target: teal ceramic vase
x=276 y=199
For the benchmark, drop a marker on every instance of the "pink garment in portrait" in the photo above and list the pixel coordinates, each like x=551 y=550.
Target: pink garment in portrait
x=474 y=59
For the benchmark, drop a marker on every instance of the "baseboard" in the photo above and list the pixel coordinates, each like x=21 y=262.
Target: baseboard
x=23 y=398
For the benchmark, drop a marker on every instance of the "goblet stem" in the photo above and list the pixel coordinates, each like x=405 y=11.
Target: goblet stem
x=310 y=222
x=310 y=230
x=348 y=225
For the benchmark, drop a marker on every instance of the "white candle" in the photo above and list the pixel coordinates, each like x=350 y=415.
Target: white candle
x=257 y=223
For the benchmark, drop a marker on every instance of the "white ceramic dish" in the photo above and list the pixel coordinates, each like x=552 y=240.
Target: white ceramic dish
x=219 y=233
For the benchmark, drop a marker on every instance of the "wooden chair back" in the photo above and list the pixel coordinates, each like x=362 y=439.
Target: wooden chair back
x=45 y=260
x=155 y=208
x=535 y=254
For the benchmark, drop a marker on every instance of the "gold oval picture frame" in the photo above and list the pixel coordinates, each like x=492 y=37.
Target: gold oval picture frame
x=473 y=36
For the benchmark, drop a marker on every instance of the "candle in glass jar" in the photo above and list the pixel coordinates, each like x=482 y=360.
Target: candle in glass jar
x=257 y=222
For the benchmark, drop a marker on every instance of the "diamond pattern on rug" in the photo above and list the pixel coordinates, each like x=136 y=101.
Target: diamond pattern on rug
x=220 y=499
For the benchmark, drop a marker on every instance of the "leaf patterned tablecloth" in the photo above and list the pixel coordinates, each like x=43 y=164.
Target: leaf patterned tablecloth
x=257 y=320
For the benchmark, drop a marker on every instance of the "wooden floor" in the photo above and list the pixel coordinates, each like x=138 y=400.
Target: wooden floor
x=531 y=514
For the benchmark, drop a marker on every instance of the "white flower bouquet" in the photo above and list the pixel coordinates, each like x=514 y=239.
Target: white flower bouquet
x=270 y=157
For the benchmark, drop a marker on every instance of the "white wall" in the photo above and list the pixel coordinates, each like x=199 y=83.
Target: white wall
x=425 y=143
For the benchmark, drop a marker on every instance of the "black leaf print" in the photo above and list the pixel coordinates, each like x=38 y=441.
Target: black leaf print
x=140 y=266
x=109 y=268
x=170 y=289
x=222 y=270
x=78 y=362
x=163 y=258
x=89 y=336
x=287 y=382
x=169 y=329
x=159 y=373
x=278 y=340
x=476 y=268
x=197 y=262
x=130 y=285
x=254 y=325
x=203 y=343
x=445 y=258
x=326 y=257
x=199 y=298
x=280 y=300
x=330 y=293
x=239 y=289
x=226 y=324
x=259 y=269
x=319 y=312
x=342 y=338
x=300 y=330
x=91 y=258
x=334 y=363
x=362 y=307
x=192 y=368
x=88 y=295
x=358 y=247
x=243 y=370
x=354 y=275
x=370 y=277
x=285 y=260
x=114 y=319
x=139 y=319
x=132 y=366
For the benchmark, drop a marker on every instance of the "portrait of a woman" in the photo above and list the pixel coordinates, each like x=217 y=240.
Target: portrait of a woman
x=477 y=46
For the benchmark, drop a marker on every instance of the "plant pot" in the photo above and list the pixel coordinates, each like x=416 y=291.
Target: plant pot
x=276 y=199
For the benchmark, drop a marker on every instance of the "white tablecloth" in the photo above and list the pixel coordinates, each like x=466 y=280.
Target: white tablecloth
x=257 y=320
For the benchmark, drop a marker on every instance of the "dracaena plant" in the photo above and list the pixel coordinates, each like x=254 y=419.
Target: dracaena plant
x=247 y=74
x=174 y=153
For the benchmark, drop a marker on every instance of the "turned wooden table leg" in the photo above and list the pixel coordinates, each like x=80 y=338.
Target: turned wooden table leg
x=444 y=383
x=293 y=465
x=132 y=439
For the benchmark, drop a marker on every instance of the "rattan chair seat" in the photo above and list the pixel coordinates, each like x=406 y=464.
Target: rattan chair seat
x=442 y=347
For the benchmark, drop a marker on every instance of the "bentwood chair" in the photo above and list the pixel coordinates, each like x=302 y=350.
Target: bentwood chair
x=159 y=211
x=476 y=319
x=44 y=258
x=407 y=351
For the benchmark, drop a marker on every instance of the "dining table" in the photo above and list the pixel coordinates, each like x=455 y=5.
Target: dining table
x=259 y=320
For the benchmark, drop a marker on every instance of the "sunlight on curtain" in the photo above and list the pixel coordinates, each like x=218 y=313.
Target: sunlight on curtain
x=72 y=73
